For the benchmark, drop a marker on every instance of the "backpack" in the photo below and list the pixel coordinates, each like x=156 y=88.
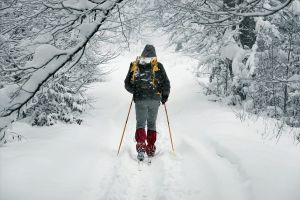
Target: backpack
x=145 y=79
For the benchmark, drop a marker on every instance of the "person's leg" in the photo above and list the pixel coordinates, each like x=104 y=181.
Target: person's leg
x=151 y=125
x=141 y=117
x=153 y=106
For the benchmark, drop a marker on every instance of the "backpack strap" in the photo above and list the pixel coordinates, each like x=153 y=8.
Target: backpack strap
x=155 y=68
x=134 y=68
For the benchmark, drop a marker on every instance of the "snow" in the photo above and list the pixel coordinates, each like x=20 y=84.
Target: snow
x=295 y=7
x=86 y=29
x=295 y=77
x=236 y=54
x=79 y=4
x=5 y=94
x=251 y=64
x=264 y=24
x=36 y=78
x=294 y=81
x=45 y=38
x=43 y=54
x=233 y=52
x=217 y=156
x=230 y=50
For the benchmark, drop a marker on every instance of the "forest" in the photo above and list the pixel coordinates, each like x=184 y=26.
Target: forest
x=250 y=49
x=225 y=121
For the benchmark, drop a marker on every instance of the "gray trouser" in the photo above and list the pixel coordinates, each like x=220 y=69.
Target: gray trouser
x=146 y=110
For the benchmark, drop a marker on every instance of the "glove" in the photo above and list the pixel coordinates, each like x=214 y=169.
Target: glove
x=164 y=99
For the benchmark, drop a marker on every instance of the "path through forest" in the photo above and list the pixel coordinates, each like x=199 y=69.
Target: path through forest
x=217 y=156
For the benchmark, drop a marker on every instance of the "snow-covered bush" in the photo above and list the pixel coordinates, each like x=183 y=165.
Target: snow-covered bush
x=56 y=103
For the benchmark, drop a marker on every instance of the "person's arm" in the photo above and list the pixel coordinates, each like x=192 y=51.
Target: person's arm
x=165 y=90
x=128 y=85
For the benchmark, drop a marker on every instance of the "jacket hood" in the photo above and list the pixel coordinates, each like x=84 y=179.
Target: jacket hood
x=149 y=51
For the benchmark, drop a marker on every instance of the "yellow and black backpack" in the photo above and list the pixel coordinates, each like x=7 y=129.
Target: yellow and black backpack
x=144 y=77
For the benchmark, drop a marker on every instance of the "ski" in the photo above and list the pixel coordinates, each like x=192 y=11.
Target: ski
x=140 y=163
x=149 y=160
x=142 y=159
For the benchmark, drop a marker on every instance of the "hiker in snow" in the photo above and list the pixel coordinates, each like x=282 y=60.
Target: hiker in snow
x=148 y=82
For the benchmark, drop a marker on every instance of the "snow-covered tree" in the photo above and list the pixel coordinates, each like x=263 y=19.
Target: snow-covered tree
x=44 y=61
x=250 y=49
x=278 y=53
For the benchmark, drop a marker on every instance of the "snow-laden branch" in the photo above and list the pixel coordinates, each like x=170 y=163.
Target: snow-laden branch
x=48 y=60
x=79 y=5
x=267 y=11
x=248 y=9
x=216 y=12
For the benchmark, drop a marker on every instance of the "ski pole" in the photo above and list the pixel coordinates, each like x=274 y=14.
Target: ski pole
x=124 y=127
x=169 y=128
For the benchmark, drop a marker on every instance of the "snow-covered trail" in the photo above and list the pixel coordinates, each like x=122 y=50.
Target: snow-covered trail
x=217 y=157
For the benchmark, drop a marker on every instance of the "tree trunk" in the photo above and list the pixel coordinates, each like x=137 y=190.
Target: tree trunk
x=286 y=95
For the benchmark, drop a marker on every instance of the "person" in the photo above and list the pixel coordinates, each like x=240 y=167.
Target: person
x=148 y=82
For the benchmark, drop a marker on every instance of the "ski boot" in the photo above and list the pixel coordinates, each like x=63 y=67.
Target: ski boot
x=141 y=156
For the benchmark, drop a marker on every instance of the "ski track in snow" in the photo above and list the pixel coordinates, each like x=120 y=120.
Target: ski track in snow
x=228 y=182
x=213 y=157
x=127 y=180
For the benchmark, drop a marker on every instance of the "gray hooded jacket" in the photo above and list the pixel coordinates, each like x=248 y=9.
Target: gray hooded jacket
x=138 y=89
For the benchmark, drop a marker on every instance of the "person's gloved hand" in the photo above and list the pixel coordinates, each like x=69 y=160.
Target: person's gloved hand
x=164 y=99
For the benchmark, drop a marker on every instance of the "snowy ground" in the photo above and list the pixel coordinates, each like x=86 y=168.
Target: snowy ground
x=217 y=156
